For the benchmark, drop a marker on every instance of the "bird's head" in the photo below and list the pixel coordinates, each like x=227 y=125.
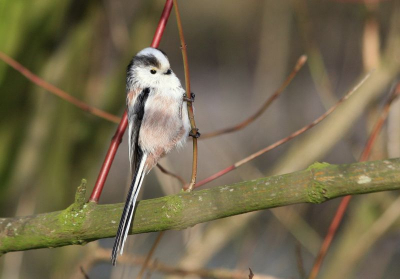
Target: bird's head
x=150 y=68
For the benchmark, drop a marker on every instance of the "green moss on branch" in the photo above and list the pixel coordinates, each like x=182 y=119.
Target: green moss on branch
x=84 y=222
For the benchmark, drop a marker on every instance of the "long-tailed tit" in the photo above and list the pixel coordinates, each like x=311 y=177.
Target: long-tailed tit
x=158 y=122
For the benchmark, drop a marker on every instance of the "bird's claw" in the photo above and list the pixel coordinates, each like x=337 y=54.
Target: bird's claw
x=194 y=133
x=191 y=99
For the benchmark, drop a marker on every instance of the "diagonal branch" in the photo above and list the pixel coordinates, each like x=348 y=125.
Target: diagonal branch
x=82 y=223
x=167 y=172
x=284 y=140
x=57 y=91
x=299 y=64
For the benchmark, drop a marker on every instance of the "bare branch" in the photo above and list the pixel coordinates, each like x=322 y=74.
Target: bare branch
x=167 y=172
x=81 y=224
x=299 y=64
x=284 y=140
x=57 y=91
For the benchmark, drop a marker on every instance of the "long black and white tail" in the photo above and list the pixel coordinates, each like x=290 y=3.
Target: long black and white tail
x=129 y=209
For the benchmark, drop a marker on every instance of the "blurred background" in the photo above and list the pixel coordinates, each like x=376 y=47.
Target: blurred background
x=239 y=54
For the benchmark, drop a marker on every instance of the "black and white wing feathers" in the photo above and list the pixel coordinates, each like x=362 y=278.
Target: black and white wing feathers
x=138 y=159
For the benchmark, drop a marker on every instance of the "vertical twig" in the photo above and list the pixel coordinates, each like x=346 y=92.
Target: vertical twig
x=155 y=43
x=299 y=261
x=251 y=274
x=188 y=92
x=117 y=138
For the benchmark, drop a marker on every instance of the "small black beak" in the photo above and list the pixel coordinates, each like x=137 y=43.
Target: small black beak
x=168 y=72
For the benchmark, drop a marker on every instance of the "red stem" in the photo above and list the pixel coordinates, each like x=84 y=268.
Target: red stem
x=337 y=219
x=329 y=236
x=117 y=138
x=112 y=150
x=162 y=23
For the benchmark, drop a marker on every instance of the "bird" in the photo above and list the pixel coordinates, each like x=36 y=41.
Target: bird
x=157 y=123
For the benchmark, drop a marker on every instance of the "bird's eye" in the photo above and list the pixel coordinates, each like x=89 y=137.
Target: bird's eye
x=153 y=72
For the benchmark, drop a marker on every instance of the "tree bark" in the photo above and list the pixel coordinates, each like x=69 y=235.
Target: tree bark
x=84 y=222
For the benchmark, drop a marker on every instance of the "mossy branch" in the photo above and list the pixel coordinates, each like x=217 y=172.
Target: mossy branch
x=81 y=223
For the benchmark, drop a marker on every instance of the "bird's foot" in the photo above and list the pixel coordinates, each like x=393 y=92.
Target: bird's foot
x=194 y=133
x=191 y=99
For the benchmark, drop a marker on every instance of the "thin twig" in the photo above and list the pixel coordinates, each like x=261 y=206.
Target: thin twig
x=378 y=126
x=117 y=138
x=299 y=261
x=284 y=140
x=188 y=92
x=299 y=64
x=337 y=219
x=84 y=272
x=150 y=254
x=251 y=274
x=316 y=64
x=102 y=255
x=192 y=124
x=368 y=238
x=56 y=91
x=167 y=172
x=329 y=236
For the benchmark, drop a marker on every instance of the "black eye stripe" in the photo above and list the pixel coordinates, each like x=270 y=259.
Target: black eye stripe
x=148 y=60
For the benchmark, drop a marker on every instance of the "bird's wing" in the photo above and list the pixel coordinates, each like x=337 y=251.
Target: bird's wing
x=135 y=103
x=138 y=167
